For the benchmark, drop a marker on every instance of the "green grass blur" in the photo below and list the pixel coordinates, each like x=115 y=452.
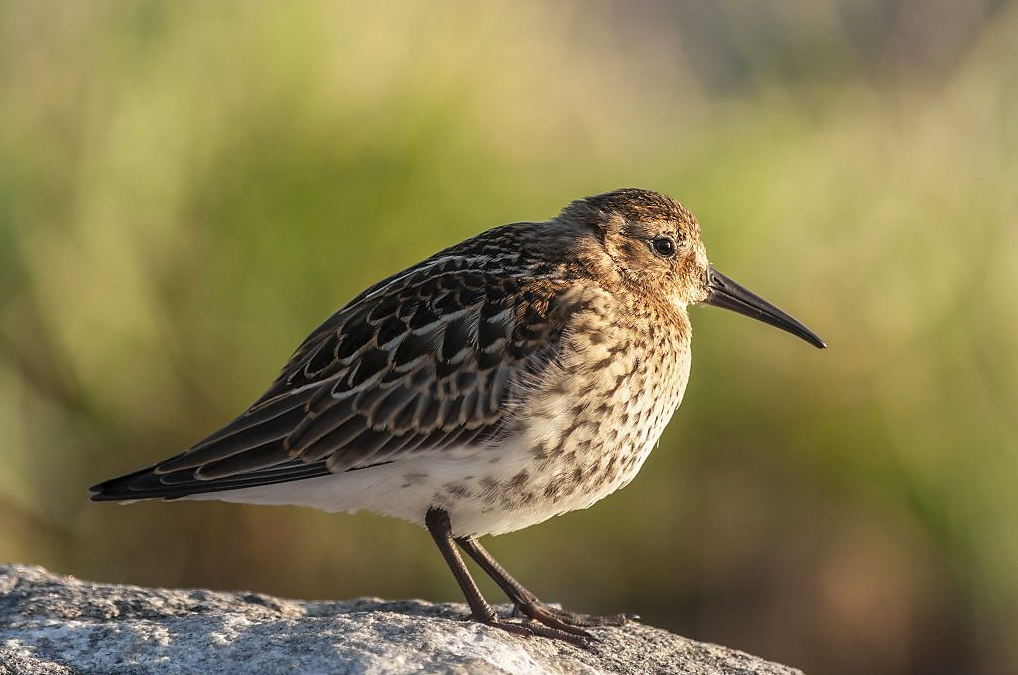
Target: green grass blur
x=188 y=188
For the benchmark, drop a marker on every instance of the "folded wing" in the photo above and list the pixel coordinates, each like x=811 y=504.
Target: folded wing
x=427 y=360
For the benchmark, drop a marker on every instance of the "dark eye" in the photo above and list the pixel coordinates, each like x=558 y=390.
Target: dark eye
x=664 y=247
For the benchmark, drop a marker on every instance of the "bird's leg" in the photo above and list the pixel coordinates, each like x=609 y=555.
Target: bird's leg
x=437 y=522
x=528 y=603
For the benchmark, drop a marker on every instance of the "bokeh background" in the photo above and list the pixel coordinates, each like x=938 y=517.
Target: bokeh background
x=188 y=188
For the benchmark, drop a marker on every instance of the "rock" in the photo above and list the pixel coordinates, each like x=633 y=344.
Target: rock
x=54 y=625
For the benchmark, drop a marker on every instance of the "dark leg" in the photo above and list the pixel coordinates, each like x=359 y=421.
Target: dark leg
x=437 y=521
x=528 y=603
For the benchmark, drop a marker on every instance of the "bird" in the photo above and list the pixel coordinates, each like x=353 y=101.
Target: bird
x=521 y=374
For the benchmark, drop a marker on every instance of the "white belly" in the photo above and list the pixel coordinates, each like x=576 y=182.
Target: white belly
x=480 y=495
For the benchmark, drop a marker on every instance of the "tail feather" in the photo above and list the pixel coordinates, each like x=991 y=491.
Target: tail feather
x=148 y=484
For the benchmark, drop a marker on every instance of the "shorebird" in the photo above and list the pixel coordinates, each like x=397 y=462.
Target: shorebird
x=521 y=374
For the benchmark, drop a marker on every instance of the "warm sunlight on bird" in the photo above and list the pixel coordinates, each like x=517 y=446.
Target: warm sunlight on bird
x=518 y=375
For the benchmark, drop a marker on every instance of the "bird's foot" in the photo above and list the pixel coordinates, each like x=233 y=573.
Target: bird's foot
x=563 y=619
x=529 y=628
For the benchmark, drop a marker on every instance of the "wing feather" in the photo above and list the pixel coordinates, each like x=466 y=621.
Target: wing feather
x=426 y=360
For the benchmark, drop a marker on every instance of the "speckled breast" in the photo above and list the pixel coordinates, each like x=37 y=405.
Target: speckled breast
x=601 y=415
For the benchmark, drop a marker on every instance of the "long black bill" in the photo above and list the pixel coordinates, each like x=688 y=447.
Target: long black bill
x=727 y=294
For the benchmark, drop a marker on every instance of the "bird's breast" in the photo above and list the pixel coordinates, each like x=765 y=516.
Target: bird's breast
x=597 y=414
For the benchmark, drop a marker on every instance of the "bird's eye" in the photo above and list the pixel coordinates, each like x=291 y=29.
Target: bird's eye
x=664 y=246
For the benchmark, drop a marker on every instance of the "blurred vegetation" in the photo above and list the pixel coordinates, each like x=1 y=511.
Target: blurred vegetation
x=188 y=188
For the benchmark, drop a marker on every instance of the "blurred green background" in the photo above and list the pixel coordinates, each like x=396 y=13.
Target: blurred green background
x=188 y=188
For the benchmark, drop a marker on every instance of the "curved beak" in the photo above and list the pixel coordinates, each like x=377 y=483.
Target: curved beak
x=727 y=294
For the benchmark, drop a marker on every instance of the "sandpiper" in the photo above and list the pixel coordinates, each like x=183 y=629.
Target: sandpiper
x=518 y=375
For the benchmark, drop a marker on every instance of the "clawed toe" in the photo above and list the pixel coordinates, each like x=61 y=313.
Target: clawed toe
x=594 y=620
x=570 y=634
x=563 y=619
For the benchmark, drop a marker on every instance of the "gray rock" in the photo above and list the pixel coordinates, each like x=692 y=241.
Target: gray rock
x=54 y=625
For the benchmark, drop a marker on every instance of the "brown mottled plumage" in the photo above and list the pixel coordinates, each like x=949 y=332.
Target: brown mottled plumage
x=518 y=375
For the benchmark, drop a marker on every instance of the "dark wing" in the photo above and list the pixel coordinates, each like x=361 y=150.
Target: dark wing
x=426 y=360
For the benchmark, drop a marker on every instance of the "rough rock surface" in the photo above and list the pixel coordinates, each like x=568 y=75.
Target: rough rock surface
x=58 y=625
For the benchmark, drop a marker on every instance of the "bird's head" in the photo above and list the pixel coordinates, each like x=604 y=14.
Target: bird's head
x=652 y=244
